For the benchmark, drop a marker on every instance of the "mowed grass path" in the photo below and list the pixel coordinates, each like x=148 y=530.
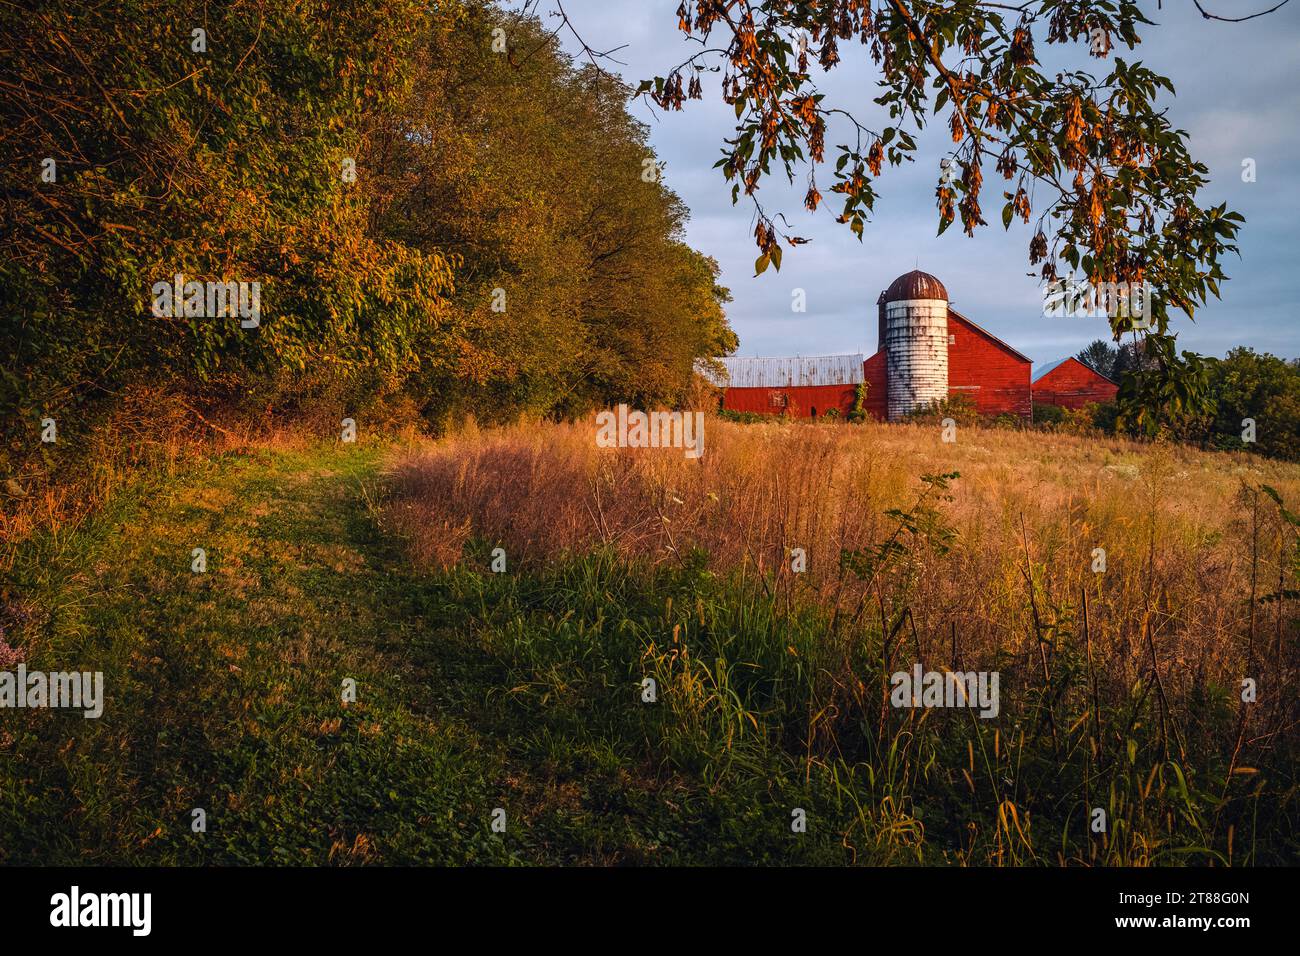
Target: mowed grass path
x=224 y=692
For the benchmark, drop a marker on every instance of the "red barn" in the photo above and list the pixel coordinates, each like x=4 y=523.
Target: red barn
x=993 y=374
x=926 y=352
x=1070 y=383
x=801 y=387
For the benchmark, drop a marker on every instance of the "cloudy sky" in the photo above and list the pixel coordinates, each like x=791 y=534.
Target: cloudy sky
x=1237 y=97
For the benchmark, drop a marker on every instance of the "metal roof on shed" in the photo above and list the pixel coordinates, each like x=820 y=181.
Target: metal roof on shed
x=791 y=372
x=1053 y=366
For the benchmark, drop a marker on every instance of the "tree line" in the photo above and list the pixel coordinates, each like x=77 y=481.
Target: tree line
x=1246 y=400
x=437 y=205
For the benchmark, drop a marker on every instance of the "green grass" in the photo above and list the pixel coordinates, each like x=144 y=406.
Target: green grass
x=224 y=692
x=224 y=688
x=520 y=691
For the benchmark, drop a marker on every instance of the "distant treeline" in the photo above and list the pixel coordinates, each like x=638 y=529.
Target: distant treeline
x=439 y=206
x=1252 y=399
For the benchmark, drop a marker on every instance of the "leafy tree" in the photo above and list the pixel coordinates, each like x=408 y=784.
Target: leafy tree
x=1260 y=387
x=380 y=170
x=136 y=149
x=1152 y=400
x=1099 y=356
x=1131 y=356
x=532 y=174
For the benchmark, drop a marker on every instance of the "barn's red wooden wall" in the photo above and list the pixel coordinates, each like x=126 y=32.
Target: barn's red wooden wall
x=1073 y=385
x=996 y=380
x=874 y=374
x=799 y=400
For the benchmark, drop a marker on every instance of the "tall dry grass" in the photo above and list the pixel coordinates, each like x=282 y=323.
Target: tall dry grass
x=1185 y=532
x=995 y=572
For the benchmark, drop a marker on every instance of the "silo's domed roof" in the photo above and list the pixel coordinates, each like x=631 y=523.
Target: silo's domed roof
x=916 y=285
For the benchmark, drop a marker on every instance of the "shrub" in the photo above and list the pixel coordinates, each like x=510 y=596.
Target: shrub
x=1105 y=416
x=960 y=408
x=743 y=418
x=858 y=413
x=1045 y=414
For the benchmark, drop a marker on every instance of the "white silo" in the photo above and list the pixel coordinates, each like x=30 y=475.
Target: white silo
x=915 y=342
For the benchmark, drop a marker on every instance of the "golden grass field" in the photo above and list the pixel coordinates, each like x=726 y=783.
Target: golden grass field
x=1123 y=688
x=1188 y=538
